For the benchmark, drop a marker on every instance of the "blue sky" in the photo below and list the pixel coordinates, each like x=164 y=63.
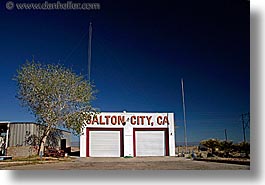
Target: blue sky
x=140 y=52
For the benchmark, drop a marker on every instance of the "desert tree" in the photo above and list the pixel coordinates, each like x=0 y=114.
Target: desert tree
x=244 y=147
x=57 y=97
x=211 y=143
x=226 y=147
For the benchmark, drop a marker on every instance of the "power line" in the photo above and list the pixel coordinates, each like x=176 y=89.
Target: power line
x=245 y=123
x=225 y=135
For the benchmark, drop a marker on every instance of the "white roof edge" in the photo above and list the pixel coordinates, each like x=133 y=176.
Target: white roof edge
x=18 y=122
x=21 y=122
x=139 y=112
x=5 y=121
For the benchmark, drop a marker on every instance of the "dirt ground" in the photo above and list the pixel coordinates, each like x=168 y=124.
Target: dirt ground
x=138 y=163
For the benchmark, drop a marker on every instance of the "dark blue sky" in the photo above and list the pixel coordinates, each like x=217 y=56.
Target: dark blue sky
x=140 y=52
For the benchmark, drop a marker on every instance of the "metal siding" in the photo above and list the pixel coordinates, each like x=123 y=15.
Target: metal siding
x=31 y=129
x=11 y=135
x=27 y=128
x=23 y=134
x=35 y=130
x=17 y=134
x=20 y=136
x=104 y=143
x=150 y=143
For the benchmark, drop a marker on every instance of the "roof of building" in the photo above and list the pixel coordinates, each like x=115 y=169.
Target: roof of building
x=17 y=122
x=22 y=122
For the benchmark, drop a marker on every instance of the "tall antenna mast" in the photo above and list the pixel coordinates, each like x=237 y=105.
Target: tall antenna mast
x=184 y=116
x=89 y=51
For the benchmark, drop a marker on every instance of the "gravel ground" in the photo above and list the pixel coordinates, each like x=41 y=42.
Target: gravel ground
x=138 y=163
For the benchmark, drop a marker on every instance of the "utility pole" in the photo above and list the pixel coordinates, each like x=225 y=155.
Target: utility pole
x=243 y=126
x=225 y=135
x=184 y=117
x=245 y=123
x=89 y=50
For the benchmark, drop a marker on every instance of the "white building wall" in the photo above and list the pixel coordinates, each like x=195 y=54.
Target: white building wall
x=150 y=121
x=128 y=138
x=171 y=136
x=83 y=144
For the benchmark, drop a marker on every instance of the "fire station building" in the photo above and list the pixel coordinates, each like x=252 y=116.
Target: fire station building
x=110 y=134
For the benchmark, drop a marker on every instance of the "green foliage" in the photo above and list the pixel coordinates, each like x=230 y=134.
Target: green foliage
x=31 y=139
x=54 y=138
x=55 y=95
x=224 y=148
x=128 y=157
x=211 y=143
x=244 y=147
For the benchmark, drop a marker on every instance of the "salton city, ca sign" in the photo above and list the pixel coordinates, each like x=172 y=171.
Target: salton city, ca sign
x=134 y=120
x=119 y=134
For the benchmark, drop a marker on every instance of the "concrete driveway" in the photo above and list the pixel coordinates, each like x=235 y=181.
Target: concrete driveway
x=138 y=163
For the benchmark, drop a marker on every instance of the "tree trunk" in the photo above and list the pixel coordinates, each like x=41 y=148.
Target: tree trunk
x=42 y=143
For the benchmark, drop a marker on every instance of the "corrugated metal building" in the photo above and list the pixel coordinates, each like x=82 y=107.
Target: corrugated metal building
x=18 y=131
x=15 y=134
